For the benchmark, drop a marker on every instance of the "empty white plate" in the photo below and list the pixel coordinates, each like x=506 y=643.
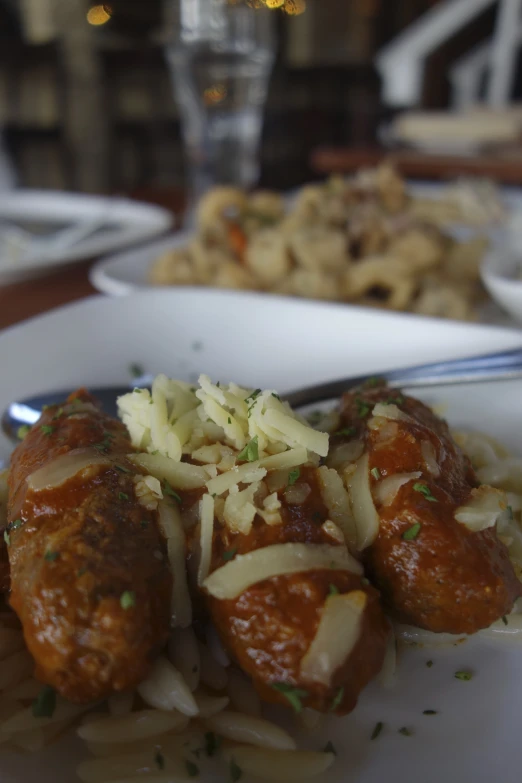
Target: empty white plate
x=42 y=230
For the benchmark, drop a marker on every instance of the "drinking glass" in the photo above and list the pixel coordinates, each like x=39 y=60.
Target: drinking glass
x=220 y=54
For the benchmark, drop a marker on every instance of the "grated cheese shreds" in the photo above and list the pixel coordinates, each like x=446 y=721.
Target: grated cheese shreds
x=330 y=649
x=205 y=539
x=243 y=571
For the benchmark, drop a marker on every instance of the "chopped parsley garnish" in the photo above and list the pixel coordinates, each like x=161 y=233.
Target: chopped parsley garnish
x=51 y=556
x=22 y=431
x=292 y=694
x=363 y=408
x=122 y=469
x=429 y=664
x=293 y=476
x=376 y=473
x=504 y=619
x=314 y=417
x=229 y=420
x=144 y=523
x=7 y=538
x=159 y=759
x=337 y=699
x=373 y=381
x=412 y=532
x=333 y=590
x=254 y=395
x=192 y=769
x=47 y=429
x=329 y=748
x=58 y=413
x=45 y=703
x=429 y=712
x=347 y=431
x=236 y=772
x=167 y=489
x=405 y=731
x=122 y=496
x=128 y=599
x=212 y=743
x=105 y=444
x=395 y=400
x=463 y=675
x=230 y=554
x=377 y=730
x=424 y=490
x=276 y=396
x=135 y=370
x=251 y=451
x=15 y=525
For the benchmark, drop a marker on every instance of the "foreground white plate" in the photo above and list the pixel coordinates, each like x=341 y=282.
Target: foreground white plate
x=282 y=344
x=106 y=225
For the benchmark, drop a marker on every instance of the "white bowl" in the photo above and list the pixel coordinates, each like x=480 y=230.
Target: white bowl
x=501 y=273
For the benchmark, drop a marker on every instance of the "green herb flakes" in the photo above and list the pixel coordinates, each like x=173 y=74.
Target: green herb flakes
x=128 y=599
x=292 y=694
x=159 y=760
x=135 y=370
x=251 y=451
x=333 y=590
x=45 y=703
x=192 y=769
x=329 y=748
x=144 y=523
x=212 y=743
x=230 y=554
x=405 y=731
x=122 y=469
x=504 y=619
x=363 y=408
x=429 y=664
x=122 y=496
x=412 y=532
x=236 y=773
x=377 y=730
x=167 y=489
x=293 y=476
x=7 y=538
x=376 y=473
x=15 y=525
x=22 y=431
x=463 y=675
x=51 y=556
x=47 y=429
x=337 y=699
x=346 y=432
x=424 y=490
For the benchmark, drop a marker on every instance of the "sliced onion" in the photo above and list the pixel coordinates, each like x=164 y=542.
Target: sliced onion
x=386 y=490
x=345 y=452
x=336 y=500
x=336 y=636
x=364 y=511
x=180 y=604
x=206 y=534
x=430 y=457
x=484 y=507
x=64 y=467
x=390 y=411
x=243 y=571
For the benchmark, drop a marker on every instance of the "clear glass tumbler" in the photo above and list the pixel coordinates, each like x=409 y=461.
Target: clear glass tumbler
x=221 y=53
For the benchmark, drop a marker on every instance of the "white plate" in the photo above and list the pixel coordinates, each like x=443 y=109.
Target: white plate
x=280 y=343
x=106 y=225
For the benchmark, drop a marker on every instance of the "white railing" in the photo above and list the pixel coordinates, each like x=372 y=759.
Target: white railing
x=401 y=63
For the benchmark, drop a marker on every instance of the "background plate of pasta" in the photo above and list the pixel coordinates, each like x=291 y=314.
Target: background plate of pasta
x=371 y=239
x=331 y=596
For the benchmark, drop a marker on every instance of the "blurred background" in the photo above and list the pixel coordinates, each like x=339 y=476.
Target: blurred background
x=86 y=102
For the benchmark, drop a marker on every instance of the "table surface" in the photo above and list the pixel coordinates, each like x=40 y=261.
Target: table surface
x=19 y=301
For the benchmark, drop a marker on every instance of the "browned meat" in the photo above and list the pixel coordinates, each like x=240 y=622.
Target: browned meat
x=441 y=576
x=269 y=628
x=90 y=580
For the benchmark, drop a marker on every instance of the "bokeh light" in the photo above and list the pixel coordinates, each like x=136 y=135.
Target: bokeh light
x=214 y=94
x=99 y=14
x=294 y=7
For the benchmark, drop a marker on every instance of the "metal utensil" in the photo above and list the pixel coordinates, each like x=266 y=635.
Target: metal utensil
x=504 y=365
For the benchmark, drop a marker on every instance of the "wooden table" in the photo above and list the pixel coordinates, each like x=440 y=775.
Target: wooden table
x=32 y=297
x=506 y=168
